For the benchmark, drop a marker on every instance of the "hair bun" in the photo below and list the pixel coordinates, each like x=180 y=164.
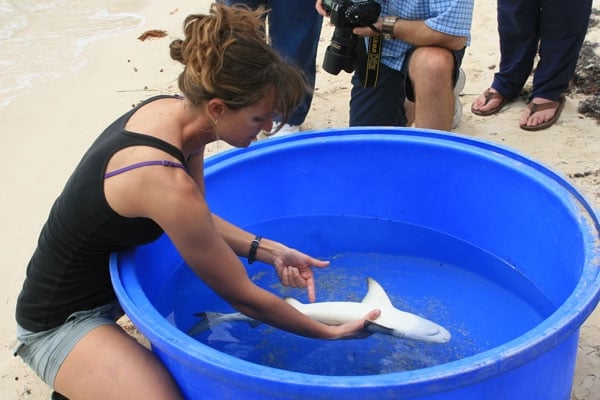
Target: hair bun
x=176 y=50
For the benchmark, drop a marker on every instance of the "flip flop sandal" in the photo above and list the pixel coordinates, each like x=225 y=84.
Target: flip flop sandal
x=489 y=95
x=533 y=108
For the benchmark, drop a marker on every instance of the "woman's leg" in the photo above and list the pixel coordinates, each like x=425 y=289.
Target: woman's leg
x=107 y=363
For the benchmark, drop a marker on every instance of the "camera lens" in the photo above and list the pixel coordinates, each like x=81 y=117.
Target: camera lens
x=346 y=15
x=340 y=54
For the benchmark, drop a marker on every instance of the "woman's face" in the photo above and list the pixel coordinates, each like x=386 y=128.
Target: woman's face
x=240 y=127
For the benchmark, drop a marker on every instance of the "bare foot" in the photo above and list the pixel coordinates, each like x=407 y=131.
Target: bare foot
x=538 y=112
x=488 y=103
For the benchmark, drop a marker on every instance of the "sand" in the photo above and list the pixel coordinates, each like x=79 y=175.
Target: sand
x=45 y=133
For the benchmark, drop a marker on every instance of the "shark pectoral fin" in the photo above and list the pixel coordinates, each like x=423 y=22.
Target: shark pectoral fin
x=254 y=323
x=374 y=327
x=199 y=326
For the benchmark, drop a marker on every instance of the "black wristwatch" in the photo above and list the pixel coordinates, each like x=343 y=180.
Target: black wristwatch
x=388 y=26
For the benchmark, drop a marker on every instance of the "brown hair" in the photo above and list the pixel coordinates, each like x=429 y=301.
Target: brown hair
x=226 y=56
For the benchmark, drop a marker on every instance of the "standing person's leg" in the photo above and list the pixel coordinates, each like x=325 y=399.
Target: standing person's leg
x=518 y=29
x=250 y=3
x=294 y=30
x=562 y=30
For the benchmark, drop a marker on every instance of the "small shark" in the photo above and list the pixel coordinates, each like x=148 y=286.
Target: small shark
x=392 y=321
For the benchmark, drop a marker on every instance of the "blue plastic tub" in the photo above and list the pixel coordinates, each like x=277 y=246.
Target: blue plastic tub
x=494 y=246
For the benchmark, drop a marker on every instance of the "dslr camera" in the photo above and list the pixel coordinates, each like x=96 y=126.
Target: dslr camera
x=346 y=15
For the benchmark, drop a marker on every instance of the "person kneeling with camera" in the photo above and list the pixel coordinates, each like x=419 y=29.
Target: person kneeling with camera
x=422 y=49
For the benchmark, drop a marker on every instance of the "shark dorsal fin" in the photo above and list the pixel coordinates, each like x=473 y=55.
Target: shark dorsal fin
x=376 y=296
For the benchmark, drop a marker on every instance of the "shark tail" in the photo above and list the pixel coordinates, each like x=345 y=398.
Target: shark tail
x=201 y=325
x=209 y=319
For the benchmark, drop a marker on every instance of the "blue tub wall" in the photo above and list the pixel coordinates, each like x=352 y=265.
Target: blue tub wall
x=398 y=175
x=407 y=178
x=489 y=375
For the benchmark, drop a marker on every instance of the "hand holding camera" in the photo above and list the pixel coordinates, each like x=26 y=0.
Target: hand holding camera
x=345 y=15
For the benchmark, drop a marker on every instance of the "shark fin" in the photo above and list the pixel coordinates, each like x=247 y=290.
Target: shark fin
x=376 y=296
x=210 y=319
x=254 y=323
x=374 y=327
x=201 y=325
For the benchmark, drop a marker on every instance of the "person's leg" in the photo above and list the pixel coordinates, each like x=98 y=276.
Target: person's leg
x=518 y=28
x=562 y=28
x=458 y=82
x=432 y=73
x=294 y=30
x=382 y=105
x=107 y=363
x=90 y=356
x=250 y=3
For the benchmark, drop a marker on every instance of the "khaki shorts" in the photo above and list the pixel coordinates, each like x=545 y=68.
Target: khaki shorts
x=45 y=351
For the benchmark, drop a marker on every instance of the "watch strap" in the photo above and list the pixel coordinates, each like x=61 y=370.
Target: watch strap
x=387 y=28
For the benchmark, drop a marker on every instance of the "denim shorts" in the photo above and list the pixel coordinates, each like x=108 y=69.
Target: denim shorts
x=45 y=351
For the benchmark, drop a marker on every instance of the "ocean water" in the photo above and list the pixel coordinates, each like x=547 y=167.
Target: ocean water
x=42 y=40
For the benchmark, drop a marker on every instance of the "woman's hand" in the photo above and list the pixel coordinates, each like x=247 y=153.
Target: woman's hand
x=355 y=329
x=295 y=270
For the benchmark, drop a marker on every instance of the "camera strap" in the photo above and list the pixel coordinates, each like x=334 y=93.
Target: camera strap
x=368 y=60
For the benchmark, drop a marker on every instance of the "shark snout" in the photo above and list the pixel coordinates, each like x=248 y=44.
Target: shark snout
x=431 y=332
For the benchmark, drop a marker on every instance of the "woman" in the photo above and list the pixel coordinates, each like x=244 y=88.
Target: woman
x=144 y=176
x=553 y=28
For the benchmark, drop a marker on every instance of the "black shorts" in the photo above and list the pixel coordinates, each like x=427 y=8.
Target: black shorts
x=383 y=105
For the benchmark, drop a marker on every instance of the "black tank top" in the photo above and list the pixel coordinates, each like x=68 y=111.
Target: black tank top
x=69 y=269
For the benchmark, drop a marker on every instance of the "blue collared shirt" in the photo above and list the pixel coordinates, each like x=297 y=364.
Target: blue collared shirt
x=453 y=17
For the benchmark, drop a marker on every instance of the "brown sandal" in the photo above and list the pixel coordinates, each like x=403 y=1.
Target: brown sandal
x=534 y=107
x=489 y=95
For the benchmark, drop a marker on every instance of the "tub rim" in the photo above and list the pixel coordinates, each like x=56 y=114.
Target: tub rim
x=553 y=330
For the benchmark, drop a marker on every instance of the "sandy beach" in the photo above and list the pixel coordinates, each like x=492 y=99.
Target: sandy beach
x=45 y=132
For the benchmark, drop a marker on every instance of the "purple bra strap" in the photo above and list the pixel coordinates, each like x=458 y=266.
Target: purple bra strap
x=166 y=163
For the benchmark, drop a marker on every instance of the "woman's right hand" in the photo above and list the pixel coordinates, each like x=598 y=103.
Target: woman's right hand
x=354 y=329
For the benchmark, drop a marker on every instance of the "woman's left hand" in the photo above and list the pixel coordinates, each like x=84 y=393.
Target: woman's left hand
x=295 y=270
